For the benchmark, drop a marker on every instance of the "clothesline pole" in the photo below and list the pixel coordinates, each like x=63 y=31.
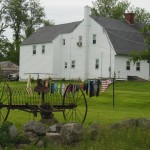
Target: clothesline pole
x=113 y=92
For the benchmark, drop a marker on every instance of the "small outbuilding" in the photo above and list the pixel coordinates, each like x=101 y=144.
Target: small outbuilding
x=7 y=67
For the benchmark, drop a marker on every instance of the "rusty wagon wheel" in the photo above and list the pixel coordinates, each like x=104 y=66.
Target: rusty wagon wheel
x=75 y=104
x=5 y=101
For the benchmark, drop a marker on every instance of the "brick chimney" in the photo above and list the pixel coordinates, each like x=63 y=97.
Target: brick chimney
x=129 y=17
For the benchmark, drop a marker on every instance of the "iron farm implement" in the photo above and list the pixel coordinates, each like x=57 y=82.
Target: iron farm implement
x=36 y=100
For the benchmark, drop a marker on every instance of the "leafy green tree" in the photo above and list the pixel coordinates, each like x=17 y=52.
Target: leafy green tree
x=141 y=15
x=3 y=26
x=23 y=17
x=110 y=8
x=15 y=16
x=35 y=18
x=143 y=55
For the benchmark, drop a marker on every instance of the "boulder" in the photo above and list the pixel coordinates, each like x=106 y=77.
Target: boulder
x=132 y=123
x=13 y=131
x=54 y=138
x=93 y=130
x=35 y=127
x=71 y=132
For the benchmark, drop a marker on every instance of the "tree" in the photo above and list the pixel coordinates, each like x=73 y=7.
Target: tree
x=3 y=26
x=143 y=55
x=141 y=15
x=35 y=18
x=23 y=17
x=15 y=16
x=110 y=8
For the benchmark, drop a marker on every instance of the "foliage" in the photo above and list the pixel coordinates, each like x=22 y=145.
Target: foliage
x=15 y=16
x=116 y=9
x=145 y=54
x=35 y=17
x=23 y=17
x=3 y=26
x=141 y=15
x=110 y=8
x=5 y=138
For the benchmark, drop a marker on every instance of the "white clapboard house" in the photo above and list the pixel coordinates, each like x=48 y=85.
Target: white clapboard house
x=95 y=47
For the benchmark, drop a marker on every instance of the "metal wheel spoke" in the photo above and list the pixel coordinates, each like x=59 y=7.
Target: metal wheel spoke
x=80 y=113
x=77 y=99
x=77 y=116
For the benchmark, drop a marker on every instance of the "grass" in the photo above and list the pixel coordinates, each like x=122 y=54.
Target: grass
x=132 y=100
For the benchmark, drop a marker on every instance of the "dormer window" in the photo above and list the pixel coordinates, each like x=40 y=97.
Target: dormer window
x=94 y=38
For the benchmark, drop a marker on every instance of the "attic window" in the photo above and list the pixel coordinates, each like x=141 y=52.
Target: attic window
x=94 y=38
x=34 y=49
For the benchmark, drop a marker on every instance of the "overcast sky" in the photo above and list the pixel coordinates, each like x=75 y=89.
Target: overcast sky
x=64 y=11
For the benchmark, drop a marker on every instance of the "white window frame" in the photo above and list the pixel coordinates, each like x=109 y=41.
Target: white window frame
x=97 y=63
x=63 y=41
x=65 y=65
x=43 y=49
x=128 y=65
x=94 y=38
x=138 y=66
x=34 y=50
x=73 y=64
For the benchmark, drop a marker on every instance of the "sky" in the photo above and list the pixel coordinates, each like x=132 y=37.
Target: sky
x=65 y=11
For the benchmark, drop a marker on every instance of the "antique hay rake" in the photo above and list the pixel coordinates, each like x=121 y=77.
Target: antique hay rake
x=39 y=99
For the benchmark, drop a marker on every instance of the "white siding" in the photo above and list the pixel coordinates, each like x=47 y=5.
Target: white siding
x=121 y=72
x=38 y=63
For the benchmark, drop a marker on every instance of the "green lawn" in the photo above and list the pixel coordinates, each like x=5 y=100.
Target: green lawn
x=132 y=100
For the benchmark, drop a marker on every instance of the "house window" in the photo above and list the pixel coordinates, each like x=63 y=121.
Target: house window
x=34 y=49
x=137 y=66
x=65 y=65
x=94 y=38
x=97 y=64
x=73 y=64
x=63 y=41
x=128 y=65
x=43 y=49
x=79 y=43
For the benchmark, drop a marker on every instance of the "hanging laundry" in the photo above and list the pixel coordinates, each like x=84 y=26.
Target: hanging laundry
x=91 y=89
x=105 y=84
x=63 y=88
x=98 y=82
x=59 y=88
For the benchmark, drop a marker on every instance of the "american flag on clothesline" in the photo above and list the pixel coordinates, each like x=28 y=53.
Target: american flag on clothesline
x=105 y=84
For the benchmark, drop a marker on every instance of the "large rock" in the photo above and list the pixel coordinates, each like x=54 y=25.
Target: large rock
x=54 y=138
x=36 y=127
x=13 y=131
x=132 y=123
x=93 y=130
x=71 y=132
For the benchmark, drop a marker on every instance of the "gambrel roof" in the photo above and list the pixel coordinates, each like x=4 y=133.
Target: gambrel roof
x=49 y=33
x=124 y=37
